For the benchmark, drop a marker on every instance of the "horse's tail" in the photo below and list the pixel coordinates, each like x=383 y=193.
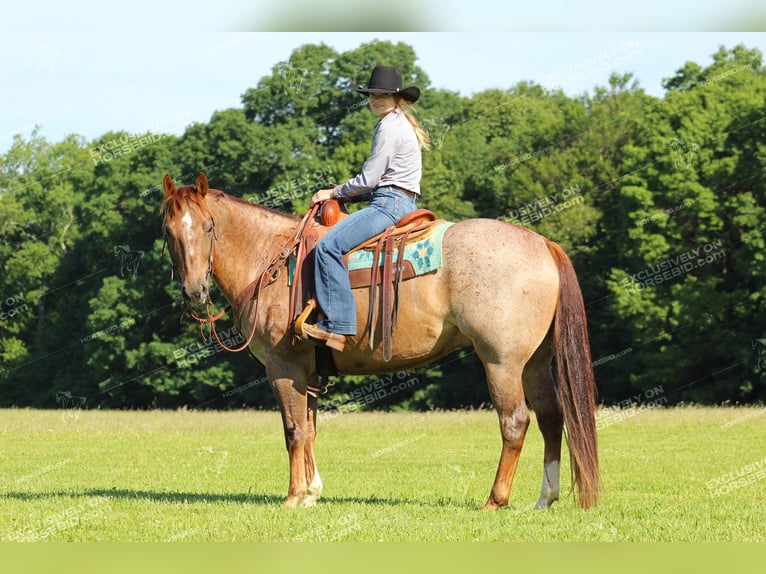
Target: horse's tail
x=576 y=385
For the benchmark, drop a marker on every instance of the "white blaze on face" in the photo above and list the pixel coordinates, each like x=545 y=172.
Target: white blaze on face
x=187 y=221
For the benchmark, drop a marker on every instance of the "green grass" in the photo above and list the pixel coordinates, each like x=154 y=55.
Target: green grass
x=209 y=476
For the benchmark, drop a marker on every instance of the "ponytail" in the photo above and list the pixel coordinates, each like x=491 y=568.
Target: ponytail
x=424 y=141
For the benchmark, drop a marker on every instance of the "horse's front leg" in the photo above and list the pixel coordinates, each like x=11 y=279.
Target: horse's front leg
x=294 y=409
x=312 y=474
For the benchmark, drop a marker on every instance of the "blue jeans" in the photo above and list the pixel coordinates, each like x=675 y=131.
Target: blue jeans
x=333 y=289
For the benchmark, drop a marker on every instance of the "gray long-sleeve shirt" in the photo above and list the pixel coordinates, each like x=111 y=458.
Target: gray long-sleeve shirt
x=395 y=159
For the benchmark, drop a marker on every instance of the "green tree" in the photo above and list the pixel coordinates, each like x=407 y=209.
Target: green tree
x=659 y=201
x=41 y=189
x=693 y=224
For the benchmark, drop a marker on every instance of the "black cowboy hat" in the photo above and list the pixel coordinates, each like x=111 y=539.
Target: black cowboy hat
x=388 y=80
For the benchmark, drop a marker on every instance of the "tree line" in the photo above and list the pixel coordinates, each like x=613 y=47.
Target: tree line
x=659 y=202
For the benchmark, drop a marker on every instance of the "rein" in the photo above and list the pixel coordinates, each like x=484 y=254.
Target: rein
x=270 y=274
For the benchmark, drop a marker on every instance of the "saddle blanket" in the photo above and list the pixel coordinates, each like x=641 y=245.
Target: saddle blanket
x=424 y=253
x=421 y=255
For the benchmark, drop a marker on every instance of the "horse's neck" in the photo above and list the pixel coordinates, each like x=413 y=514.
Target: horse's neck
x=247 y=239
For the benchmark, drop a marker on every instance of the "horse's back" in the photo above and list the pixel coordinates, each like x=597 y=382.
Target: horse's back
x=490 y=250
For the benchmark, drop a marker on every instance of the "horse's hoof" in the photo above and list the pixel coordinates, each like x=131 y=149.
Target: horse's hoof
x=309 y=502
x=495 y=502
x=292 y=501
x=490 y=506
x=544 y=503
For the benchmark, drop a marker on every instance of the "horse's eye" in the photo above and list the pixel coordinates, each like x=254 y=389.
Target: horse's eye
x=209 y=227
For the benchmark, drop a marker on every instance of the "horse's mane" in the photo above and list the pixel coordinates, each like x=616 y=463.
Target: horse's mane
x=220 y=195
x=189 y=193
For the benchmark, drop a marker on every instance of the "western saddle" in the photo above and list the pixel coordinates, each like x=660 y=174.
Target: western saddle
x=387 y=275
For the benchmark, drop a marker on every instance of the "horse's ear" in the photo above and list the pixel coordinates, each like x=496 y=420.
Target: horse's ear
x=169 y=185
x=202 y=186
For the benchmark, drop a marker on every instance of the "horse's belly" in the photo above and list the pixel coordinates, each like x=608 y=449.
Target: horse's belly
x=425 y=330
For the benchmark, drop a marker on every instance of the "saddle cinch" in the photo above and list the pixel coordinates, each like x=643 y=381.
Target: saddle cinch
x=393 y=240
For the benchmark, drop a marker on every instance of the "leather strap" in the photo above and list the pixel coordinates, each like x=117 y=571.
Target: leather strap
x=374 y=291
x=398 y=278
x=387 y=306
x=305 y=243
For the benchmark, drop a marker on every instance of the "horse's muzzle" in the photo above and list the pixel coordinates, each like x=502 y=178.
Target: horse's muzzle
x=197 y=294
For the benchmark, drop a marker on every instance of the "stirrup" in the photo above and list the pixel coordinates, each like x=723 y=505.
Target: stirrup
x=301 y=319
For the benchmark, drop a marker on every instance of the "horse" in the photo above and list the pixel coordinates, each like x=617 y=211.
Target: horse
x=504 y=290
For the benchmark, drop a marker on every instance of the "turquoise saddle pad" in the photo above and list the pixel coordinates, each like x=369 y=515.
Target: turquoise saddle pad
x=425 y=254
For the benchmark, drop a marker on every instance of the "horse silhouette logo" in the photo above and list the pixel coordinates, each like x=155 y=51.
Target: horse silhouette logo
x=47 y=58
x=213 y=459
x=129 y=260
x=458 y=482
x=759 y=345
x=71 y=404
x=437 y=131
x=681 y=153
x=293 y=77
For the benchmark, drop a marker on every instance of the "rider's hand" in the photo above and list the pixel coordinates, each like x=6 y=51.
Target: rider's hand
x=321 y=195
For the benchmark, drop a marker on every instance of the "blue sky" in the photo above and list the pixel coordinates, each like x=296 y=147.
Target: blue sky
x=89 y=79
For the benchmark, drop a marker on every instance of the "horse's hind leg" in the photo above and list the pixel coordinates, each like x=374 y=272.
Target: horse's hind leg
x=507 y=395
x=541 y=394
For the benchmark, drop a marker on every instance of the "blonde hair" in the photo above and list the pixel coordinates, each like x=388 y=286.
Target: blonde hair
x=424 y=140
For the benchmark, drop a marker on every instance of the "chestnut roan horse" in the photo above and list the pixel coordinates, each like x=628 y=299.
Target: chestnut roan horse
x=506 y=291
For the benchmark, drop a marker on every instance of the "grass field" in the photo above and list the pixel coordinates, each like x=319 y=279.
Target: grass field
x=682 y=474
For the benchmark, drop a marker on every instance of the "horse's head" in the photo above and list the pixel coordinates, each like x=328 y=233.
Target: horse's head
x=189 y=232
